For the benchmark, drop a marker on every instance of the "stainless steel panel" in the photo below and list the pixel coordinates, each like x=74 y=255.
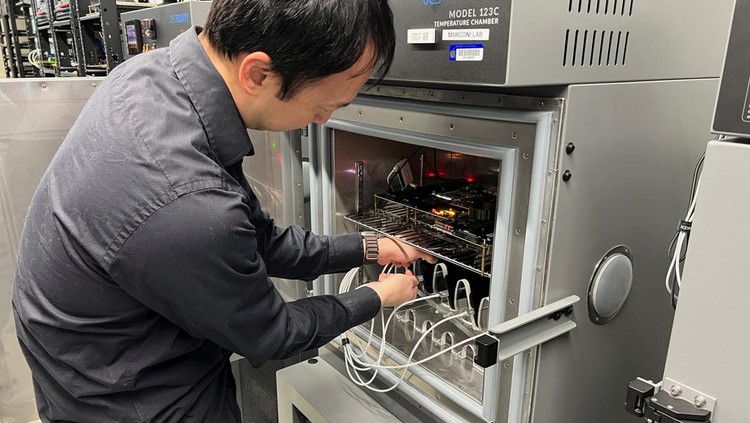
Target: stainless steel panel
x=708 y=349
x=636 y=146
x=560 y=42
x=316 y=392
x=35 y=116
x=665 y=40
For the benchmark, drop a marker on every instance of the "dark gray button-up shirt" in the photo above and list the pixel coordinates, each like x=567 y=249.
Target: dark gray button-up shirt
x=145 y=257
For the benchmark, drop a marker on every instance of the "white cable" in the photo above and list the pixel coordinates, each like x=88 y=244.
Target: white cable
x=346 y=282
x=384 y=328
x=408 y=360
x=432 y=357
x=444 y=271
x=350 y=355
x=33 y=57
x=370 y=365
x=384 y=324
x=354 y=360
x=346 y=285
x=469 y=308
x=482 y=302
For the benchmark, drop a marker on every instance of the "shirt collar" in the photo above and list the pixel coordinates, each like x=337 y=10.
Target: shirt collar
x=211 y=98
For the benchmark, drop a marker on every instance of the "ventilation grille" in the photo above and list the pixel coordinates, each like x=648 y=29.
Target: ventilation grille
x=587 y=48
x=602 y=7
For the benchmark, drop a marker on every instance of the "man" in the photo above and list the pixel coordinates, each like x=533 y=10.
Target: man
x=145 y=256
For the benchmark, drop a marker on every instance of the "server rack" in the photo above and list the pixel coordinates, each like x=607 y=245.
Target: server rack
x=44 y=36
x=18 y=39
x=63 y=27
x=80 y=37
x=99 y=33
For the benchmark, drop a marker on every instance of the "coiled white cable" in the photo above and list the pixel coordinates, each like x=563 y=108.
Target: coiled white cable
x=368 y=366
x=355 y=360
x=469 y=308
x=33 y=57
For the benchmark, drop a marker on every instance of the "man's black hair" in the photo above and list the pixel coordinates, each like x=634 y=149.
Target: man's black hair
x=307 y=40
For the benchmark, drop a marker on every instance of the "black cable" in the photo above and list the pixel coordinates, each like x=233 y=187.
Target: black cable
x=450 y=172
x=463 y=171
x=673 y=244
x=431 y=167
x=434 y=160
x=696 y=176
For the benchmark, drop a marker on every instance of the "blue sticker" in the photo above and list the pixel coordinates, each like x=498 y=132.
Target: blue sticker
x=179 y=18
x=466 y=52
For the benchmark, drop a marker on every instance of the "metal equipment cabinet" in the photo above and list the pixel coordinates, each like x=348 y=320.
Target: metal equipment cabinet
x=591 y=116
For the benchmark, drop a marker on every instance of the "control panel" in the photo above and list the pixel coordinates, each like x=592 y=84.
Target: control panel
x=732 y=114
x=133 y=36
x=443 y=39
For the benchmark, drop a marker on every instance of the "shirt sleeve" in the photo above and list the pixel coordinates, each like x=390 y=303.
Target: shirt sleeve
x=296 y=253
x=196 y=262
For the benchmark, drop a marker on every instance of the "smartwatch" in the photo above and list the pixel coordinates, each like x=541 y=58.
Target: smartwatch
x=371 y=247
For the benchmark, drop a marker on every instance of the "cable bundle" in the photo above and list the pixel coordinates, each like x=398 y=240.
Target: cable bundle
x=678 y=247
x=357 y=362
x=34 y=57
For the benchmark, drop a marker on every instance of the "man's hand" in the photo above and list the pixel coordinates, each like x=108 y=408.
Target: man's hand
x=395 y=289
x=397 y=253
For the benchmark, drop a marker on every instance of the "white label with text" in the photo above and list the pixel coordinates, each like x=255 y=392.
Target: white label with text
x=482 y=34
x=421 y=36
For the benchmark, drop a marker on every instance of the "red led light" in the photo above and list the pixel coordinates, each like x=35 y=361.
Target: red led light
x=469 y=179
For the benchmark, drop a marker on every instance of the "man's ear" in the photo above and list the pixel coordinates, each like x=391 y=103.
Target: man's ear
x=255 y=69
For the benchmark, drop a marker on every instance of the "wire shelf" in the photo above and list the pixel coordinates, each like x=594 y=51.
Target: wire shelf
x=426 y=231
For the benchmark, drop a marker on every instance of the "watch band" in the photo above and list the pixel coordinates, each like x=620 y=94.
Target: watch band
x=372 y=252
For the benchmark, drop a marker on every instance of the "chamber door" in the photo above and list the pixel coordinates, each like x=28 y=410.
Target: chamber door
x=470 y=185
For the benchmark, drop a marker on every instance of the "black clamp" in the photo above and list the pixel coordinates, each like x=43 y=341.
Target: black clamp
x=486 y=351
x=685 y=226
x=661 y=407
